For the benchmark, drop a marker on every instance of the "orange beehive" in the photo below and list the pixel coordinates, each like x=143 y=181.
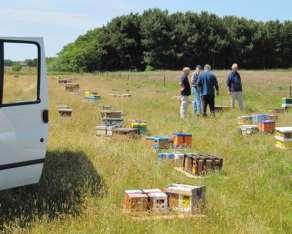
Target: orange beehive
x=182 y=140
x=267 y=126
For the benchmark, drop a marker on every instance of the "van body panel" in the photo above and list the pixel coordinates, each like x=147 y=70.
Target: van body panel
x=23 y=134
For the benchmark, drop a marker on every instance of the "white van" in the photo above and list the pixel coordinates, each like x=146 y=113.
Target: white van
x=23 y=111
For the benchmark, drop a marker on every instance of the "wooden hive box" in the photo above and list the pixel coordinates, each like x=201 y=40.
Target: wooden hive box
x=286 y=102
x=283 y=137
x=245 y=119
x=135 y=201
x=105 y=107
x=65 y=81
x=117 y=122
x=279 y=110
x=258 y=118
x=110 y=114
x=65 y=112
x=159 y=142
x=141 y=125
x=182 y=140
x=199 y=164
x=267 y=126
x=71 y=87
x=125 y=131
x=247 y=130
x=158 y=201
x=103 y=130
x=186 y=198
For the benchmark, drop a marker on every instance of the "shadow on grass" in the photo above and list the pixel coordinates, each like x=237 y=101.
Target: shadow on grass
x=68 y=177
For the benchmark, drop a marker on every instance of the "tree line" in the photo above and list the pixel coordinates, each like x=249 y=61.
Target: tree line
x=157 y=39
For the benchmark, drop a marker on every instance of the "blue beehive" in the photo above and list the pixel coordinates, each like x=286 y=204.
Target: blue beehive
x=258 y=118
x=159 y=142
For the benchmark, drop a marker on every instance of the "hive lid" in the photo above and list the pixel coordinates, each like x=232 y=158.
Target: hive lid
x=182 y=134
x=157 y=195
x=137 y=195
x=268 y=121
x=133 y=191
x=284 y=129
x=248 y=126
x=151 y=190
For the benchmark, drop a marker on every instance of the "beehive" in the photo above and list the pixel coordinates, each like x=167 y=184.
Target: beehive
x=267 y=126
x=286 y=102
x=71 y=87
x=110 y=114
x=247 y=130
x=246 y=119
x=103 y=130
x=258 y=118
x=199 y=164
x=279 y=110
x=135 y=201
x=176 y=157
x=283 y=137
x=117 y=122
x=273 y=117
x=105 y=107
x=65 y=112
x=182 y=140
x=140 y=125
x=186 y=198
x=158 y=201
x=125 y=131
x=159 y=142
x=64 y=81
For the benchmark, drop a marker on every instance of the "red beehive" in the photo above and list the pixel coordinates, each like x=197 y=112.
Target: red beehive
x=267 y=126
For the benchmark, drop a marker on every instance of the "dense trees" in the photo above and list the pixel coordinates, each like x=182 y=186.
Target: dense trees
x=169 y=41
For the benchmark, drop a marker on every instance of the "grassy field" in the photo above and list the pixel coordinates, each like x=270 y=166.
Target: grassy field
x=81 y=190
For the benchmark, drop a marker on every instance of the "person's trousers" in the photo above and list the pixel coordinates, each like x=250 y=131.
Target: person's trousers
x=184 y=102
x=197 y=102
x=208 y=100
x=237 y=96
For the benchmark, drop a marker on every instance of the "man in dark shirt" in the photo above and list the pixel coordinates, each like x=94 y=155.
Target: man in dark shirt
x=185 y=92
x=235 y=87
x=207 y=83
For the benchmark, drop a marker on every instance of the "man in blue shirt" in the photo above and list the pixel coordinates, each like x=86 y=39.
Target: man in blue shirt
x=197 y=102
x=207 y=83
x=235 y=87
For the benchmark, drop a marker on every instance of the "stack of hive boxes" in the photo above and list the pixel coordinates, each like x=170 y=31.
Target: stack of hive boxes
x=178 y=140
x=65 y=111
x=286 y=103
x=250 y=125
x=110 y=121
x=284 y=137
x=175 y=197
x=141 y=125
x=199 y=164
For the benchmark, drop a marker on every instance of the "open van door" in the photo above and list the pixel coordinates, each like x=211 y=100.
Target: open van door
x=23 y=111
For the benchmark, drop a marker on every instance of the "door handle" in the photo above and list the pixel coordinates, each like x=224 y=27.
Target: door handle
x=45 y=116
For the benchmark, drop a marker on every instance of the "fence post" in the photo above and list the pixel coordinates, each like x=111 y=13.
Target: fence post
x=164 y=81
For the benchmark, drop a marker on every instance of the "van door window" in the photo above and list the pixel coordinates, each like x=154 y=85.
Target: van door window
x=21 y=73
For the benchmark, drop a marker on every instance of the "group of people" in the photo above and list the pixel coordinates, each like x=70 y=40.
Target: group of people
x=204 y=86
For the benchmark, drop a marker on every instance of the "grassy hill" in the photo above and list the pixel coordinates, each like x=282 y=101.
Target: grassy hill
x=81 y=190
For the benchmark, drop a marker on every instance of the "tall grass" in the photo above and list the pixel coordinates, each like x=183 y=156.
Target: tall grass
x=82 y=186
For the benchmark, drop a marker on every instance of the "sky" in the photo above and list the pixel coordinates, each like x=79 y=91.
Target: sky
x=62 y=21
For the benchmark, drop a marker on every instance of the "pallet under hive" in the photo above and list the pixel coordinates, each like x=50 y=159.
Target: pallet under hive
x=199 y=164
